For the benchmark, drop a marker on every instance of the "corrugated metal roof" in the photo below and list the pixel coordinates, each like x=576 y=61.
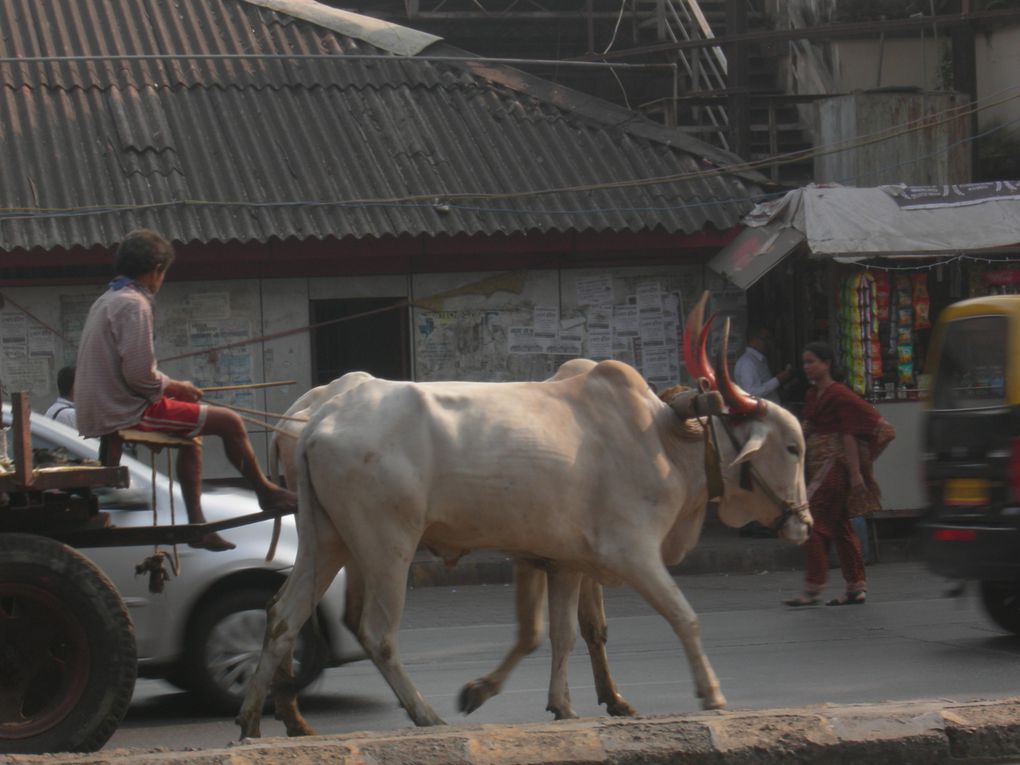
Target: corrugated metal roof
x=215 y=149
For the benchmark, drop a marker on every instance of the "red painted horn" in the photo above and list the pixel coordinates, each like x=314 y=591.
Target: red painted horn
x=696 y=332
x=738 y=400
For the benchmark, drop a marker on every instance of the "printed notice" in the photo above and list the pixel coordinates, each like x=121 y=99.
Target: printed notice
x=40 y=340
x=649 y=296
x=600 y=345
x=14 y=335
x=522 y=340
x=26 y=374
x=547 y=321
x=209 y=305
x=655 y=363
x=625 y=321
x=595 y=290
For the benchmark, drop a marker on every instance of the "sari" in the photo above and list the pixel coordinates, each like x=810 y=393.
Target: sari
x=827 y=418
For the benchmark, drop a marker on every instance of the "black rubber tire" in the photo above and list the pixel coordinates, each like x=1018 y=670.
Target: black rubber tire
x=67 y=649
x=245 y=608
x=1002 y=603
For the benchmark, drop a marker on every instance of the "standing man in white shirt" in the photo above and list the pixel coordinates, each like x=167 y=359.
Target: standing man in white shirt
x=752 y=369
x=62 y=410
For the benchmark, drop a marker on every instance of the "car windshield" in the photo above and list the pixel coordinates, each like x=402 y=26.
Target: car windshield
x=972 y=370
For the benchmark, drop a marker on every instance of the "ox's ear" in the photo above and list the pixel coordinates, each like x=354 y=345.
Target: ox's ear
x=755 y=442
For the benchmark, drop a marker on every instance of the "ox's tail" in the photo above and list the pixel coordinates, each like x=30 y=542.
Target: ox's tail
x=274 y=475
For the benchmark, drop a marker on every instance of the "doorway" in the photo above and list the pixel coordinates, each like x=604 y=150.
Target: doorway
x=377 y=343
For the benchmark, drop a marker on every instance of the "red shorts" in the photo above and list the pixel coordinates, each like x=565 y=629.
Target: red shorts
x=178 y=418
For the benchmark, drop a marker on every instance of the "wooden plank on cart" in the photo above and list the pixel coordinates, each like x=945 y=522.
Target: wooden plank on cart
x=22 y=439
x=27 y=478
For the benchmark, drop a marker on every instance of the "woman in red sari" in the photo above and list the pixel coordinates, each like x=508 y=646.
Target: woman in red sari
x=844 y=435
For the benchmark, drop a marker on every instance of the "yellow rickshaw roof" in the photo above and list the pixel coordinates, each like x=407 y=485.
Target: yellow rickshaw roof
x=996 y=304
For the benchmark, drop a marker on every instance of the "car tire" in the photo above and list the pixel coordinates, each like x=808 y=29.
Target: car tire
x=1001 y=601
x=224 y=643
x=67 y=649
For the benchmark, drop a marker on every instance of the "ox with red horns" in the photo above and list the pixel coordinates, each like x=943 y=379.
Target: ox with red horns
x=588 y=472
x=699 y=367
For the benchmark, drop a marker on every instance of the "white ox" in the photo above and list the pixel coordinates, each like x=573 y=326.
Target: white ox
x=529 y=576
x=592 y=474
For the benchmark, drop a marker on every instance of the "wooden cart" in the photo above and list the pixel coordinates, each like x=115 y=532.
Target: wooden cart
x=67 y=646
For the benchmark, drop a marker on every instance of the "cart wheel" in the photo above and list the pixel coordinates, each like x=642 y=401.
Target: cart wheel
x=67 y=649
x=224 y=644
x=1002 y=602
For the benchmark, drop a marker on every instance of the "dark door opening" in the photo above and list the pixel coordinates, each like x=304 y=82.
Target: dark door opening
x=378 y=343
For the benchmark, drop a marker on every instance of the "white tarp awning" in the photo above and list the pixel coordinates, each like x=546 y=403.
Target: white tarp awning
x=898 y=220
x=848 y=223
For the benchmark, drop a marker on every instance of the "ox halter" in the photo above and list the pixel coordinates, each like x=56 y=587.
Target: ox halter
x=749 y=477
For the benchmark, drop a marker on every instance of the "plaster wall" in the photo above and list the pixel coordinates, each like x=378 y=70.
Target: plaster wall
x=469 y=326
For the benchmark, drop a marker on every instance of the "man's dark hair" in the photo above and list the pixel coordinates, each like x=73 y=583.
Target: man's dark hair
x=754 y=331
x=143 y=251
x=65 y=382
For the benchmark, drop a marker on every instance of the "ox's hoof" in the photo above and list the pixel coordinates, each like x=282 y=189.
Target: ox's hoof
x=425 y=718
x=618 y=707
x=714 y=700
x=562 y=713
x=474 y=694
x=297 y=728
x=248 y=729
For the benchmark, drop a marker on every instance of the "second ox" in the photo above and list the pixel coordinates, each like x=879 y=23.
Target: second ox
x=592 y=473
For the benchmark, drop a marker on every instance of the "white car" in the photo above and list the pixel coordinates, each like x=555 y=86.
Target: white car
x=204 y=631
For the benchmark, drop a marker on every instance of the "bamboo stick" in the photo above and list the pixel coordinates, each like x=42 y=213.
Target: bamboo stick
x=260 y=413
x=248 y=386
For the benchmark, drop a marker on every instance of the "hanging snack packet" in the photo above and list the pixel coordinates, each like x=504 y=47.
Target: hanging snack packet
x=922 y=303
x=906 y=371
x=882 y=288
x=904 y=292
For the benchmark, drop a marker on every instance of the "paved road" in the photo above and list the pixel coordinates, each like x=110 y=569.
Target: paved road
x=908 y=642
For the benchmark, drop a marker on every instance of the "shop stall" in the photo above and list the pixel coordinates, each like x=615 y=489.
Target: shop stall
x=868 y=270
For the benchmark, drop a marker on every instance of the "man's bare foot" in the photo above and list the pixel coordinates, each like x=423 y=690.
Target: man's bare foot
x=213 y=542
x=278 y=499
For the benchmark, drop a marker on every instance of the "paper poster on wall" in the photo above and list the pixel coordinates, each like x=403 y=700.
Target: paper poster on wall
x=655 y=365
x=209 y=305
x=41 y=340
x=600 y=332
x=223 y=366
x=595 y=290
x=649 y=296
x=26 y=373
x=14 y=335
x=625 y=321
x=522 y=340
x=565 y=345
x=600 y=345
x=546 y=321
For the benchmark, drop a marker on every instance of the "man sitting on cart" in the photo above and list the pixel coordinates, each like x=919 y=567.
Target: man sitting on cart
x=117 y=384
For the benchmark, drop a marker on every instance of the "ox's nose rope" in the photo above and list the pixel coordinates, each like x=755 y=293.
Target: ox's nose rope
x=749 y=475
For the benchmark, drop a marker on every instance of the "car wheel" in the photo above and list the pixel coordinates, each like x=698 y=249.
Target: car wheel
x=224 y=644
x=1002 y=602
x=67 y=649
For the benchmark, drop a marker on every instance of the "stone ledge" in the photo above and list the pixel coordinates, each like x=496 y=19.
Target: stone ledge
x=926 y=732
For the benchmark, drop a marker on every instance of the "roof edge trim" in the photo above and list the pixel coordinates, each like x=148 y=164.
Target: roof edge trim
x=393 y=38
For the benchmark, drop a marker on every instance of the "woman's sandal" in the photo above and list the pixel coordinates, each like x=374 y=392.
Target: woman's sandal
x=802 y=600
x=854 y=598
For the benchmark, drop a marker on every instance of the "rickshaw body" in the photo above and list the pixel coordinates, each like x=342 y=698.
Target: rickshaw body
x=972 y=451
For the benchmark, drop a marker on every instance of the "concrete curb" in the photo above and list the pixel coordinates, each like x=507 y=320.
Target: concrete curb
x=925 y=732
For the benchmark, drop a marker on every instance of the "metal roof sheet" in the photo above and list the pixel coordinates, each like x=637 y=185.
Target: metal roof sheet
x=205 y=147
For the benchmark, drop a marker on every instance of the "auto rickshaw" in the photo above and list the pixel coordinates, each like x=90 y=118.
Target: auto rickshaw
x=972 y=452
